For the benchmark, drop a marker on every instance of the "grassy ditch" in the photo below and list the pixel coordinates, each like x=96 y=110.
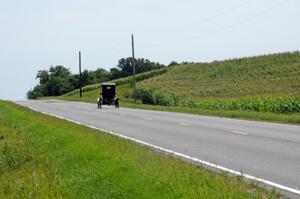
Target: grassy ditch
x=45 y=157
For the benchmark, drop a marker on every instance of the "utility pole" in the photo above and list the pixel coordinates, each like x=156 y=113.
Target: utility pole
x=80 y=89
x=52 y=88
x=133 y=69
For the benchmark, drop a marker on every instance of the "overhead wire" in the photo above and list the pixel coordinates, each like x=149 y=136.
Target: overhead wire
x=208 y=18
x=263 y=12
x=224 y=28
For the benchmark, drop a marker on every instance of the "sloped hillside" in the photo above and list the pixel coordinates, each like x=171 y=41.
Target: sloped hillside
x=270 y=75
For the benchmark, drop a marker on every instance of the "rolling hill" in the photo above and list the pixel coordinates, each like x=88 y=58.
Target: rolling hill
x=270 y=75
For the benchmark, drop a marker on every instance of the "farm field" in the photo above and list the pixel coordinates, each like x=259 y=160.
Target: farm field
x=270 y=75
x=45 y=157
x=258 y=88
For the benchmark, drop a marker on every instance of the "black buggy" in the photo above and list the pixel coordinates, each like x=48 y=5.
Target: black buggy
x=108 y=95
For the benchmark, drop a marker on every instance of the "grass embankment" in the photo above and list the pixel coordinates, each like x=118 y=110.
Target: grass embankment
x=257 y=88
x=45 y=157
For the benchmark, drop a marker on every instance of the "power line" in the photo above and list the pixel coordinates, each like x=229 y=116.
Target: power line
x=249 y=18
x=224 y=12
x=208 y=18
x=209 y=34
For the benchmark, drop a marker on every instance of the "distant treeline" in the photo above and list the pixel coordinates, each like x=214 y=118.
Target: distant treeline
x=59 y=80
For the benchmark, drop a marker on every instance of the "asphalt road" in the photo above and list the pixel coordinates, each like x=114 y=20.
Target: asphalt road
x=264 y=150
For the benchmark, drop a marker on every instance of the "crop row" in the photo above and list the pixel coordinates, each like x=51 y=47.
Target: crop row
x=285 y=105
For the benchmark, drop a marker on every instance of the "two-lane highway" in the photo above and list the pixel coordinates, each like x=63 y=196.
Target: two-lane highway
x=264 y=150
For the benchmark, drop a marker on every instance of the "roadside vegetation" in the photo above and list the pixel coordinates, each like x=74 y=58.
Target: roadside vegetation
x=262 y=88
x=45 y=157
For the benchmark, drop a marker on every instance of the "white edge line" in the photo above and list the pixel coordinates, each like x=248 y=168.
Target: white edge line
x=187 y=157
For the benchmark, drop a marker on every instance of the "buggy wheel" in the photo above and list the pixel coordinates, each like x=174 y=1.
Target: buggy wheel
x=100 y=104
x=117 y=105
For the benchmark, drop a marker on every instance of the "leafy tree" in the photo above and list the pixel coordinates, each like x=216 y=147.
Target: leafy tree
x=115 y=73
x=59 y=71
x=43 y=76
x=85 y=79
x=74 y=80
x=56 y=81
x=186 y=63
x=125 y=66
x=59 y=81
x=37 y=91
x=173 y=63
x=101 y=75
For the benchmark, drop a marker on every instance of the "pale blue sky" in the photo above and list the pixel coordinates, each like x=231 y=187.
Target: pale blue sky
x=35 y=34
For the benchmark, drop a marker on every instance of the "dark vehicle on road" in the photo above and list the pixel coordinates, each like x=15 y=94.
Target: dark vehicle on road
x=108 y=95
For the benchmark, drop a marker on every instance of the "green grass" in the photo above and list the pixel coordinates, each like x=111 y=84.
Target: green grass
x=45 y=157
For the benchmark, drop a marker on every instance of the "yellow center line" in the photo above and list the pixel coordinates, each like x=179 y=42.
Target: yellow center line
x=148 y=118
x=239 y=132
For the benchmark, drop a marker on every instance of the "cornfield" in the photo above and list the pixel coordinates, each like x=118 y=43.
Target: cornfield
x=284 y=104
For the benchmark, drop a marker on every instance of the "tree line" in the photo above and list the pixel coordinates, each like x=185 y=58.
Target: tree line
x=58 y=80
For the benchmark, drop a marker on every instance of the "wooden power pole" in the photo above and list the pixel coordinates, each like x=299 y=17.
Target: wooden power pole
x=80 y=86
x=133 y=69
